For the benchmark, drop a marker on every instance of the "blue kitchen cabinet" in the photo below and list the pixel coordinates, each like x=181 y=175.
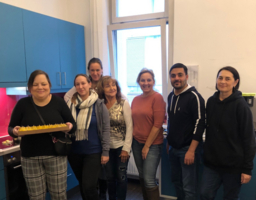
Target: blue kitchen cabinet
x=42 y=46
x=54 y=46
x=1 y=163
x=2 y=180
x=30 y=41
x=71 y=178
x=12 y=54
x=72 y=52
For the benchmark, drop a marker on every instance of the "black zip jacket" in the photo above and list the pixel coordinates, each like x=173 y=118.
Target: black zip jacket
x=186 y=118
x=230 y=138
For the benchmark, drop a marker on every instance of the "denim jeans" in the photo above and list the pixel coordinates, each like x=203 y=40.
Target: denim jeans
x=184 y=177
x=116 y=172
x=147 y=168
x=212 y=180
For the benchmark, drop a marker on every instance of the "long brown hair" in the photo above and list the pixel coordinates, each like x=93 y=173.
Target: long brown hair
x=100 y=88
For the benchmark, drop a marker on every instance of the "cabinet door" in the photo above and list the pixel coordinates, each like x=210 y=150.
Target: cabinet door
x=72 y=52
x=71 y=178
x=12 y=55
x=2 y=185
x=41 y=45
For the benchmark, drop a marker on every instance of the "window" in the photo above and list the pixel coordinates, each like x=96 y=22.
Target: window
x=133 y=10
x=134 y=7
x=135 y=46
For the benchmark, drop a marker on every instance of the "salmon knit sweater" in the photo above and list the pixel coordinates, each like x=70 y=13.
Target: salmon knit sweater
x=148 y=112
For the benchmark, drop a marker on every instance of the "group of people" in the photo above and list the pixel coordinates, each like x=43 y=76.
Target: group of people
x=229 y=146
x=104 y=129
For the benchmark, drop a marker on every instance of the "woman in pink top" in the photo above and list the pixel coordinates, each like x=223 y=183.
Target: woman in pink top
x=148 y=112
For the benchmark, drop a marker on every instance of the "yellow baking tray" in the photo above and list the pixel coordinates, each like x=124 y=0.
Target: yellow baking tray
x=42 y=129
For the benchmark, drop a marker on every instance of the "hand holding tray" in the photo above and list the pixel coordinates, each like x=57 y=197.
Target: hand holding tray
x=30 y=130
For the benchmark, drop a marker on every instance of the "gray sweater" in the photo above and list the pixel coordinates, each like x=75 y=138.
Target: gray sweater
x=103 y=123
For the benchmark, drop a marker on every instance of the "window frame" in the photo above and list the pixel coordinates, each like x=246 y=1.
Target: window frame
x=133 y=18
x=112 y=38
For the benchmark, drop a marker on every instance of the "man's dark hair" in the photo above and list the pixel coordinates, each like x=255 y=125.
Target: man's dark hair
x=179 y=65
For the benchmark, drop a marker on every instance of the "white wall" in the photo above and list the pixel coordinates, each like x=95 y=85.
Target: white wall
x=213 y=34
x=75 y=11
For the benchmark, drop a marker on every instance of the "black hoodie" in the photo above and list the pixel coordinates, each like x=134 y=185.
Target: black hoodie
x=186 y=118
x=230 y=138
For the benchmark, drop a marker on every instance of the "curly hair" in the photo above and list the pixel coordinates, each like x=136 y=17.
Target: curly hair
x=100 y=88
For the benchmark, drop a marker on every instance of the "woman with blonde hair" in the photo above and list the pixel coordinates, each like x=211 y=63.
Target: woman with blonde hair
x=148 y=112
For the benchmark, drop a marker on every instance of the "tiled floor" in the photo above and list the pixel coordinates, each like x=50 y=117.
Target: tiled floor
x=133 y=192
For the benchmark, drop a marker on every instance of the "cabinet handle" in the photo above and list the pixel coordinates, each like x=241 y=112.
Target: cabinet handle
x=65 y=78
x=18 y=166
x=60 y=77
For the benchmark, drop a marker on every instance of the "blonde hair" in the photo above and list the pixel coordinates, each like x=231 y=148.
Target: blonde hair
x=143 y=71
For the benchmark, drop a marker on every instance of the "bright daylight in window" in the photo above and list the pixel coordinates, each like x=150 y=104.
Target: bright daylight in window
x=136 y=49
x=139 y=7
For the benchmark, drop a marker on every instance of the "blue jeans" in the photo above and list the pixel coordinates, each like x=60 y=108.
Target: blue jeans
x=212 y=180
x=147 y=168
x=184 y=177
x=116 y=173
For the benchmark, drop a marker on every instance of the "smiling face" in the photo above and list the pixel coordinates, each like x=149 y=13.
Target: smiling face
x=82 y=87
x=40 y=89
x=146 y=83
x=95 y=71
x=178 y=79
x=226 y=82
x=110 y=89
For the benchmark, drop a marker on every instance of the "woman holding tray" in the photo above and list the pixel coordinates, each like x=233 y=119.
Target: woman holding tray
x=40 y=164
x=90 y=147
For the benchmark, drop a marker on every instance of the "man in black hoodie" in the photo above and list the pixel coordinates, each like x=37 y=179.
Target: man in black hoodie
x=186 y=123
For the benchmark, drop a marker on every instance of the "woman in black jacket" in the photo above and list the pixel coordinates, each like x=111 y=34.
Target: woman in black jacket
x=229 y=147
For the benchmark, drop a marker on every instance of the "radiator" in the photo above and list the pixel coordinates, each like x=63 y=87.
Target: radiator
x=132 y=169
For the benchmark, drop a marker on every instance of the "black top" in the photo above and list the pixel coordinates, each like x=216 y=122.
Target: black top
x=230 y=138
x=24 y=114
x=186 y=118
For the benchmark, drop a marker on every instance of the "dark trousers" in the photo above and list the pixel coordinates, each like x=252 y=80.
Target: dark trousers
x=116 y=172
x=184 y=177
x=87 y=169
x=212 y=180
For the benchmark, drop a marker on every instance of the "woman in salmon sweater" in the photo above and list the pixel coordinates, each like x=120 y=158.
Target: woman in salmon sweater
x=148 y=112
